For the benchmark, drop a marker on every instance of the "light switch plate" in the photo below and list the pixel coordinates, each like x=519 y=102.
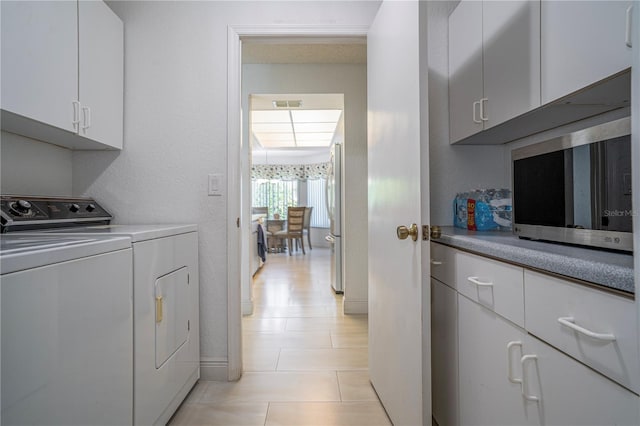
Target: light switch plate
x=215 y=184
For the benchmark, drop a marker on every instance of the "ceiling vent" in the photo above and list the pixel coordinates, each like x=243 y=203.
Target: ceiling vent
x=287 y=104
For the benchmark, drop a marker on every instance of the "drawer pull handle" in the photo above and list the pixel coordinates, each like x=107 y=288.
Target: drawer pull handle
x=436 y=262
x=510 y=370
x=479 y=283
x=569 y=322
x=525 y=384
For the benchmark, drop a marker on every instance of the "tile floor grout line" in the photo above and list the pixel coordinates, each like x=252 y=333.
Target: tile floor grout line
x=266 y=416
x=339 y=388
x=278 y=358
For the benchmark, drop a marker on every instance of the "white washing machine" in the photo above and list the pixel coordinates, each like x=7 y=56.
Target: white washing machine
x=67 y=330
x=166 y=350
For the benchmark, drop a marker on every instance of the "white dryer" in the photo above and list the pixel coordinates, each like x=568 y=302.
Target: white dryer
x=166 y=314
x=67 y=330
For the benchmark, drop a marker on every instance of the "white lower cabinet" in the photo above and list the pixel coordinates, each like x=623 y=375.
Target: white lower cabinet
x=487 y=369
x=490 y=349
x=444 y=362
x=562 y=391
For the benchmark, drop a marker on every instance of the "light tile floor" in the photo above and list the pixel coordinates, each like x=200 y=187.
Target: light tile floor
x=305 y=363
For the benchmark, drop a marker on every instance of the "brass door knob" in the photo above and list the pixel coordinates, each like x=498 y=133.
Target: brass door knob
x=403 y=232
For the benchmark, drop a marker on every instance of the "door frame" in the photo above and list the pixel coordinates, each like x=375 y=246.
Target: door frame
x=235 y=173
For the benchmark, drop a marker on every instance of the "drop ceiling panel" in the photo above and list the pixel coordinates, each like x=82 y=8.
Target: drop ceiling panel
x=315 y=116
x=311 y=126
x=270 y=117
x=271 y=127
x=314 y=127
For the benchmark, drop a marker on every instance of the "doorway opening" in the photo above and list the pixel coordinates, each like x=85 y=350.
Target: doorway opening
x=290 y=87
x=295 y=151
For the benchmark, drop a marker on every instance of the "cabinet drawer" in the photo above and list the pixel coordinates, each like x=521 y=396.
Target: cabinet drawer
x=495 y=285
x=443 y=266
x=595 y=327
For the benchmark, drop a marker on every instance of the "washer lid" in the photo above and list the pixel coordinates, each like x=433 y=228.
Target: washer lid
x=21 y=251
x=136 y=232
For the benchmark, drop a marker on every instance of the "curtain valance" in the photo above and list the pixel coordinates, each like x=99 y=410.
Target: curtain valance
x=289 y=171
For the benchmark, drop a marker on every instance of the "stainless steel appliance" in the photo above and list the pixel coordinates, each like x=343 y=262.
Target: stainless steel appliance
x=334 y=207
x=576 y=188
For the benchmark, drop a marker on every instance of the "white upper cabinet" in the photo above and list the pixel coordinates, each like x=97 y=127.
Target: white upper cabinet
x=62 y=73
x=40 y=61
x=465 y=70
x=101 y=73
x=494 y=64
x=582 y=43
x=511 y=52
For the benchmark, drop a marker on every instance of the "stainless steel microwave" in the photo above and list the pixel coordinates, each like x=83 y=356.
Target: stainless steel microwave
x=576 y=189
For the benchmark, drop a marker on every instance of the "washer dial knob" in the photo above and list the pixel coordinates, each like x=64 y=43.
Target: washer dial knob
x=21 y=208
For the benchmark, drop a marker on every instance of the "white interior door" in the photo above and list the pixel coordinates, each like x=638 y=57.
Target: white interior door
x=398 y=359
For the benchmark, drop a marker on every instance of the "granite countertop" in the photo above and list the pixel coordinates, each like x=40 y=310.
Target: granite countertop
x=613 y=270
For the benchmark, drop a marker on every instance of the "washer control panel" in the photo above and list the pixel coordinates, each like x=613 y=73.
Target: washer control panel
x=25 y=212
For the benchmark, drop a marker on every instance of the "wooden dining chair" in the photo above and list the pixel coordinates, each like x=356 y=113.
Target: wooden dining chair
x=295 y=222
x=274 y=242
x=306 y=227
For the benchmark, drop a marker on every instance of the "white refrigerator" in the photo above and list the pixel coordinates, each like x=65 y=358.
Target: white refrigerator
x=334 y=207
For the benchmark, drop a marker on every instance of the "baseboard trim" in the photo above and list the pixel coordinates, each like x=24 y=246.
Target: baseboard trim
x=247 y=308
x=214 y=369
x=356 y=306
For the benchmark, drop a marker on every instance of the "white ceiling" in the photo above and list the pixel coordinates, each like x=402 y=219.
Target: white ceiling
x=308 y=50
x=308 y=129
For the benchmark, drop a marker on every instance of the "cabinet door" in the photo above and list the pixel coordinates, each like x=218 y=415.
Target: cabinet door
x=465 y=70
x=570 y=393
x=582 y=43
x=40 y=60
x=487 y=396
x=511 y=46
x=101 y=73
x=444 y=353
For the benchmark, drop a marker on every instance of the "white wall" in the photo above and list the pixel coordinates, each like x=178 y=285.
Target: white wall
x=453 y=168
x=351 y=80
x=32 y=167
x=176 y=128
